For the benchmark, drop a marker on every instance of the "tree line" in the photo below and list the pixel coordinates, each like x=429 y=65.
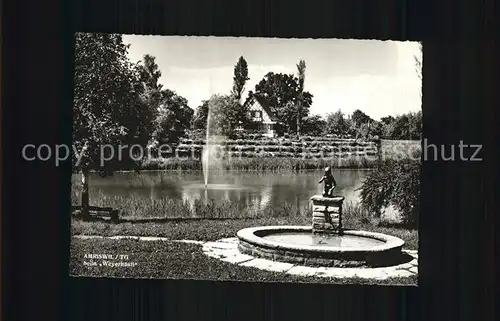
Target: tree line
x=117 y=101
x=290 y=104
x=406 y=126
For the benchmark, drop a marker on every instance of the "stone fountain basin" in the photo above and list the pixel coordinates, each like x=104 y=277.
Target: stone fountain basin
x=385 y=251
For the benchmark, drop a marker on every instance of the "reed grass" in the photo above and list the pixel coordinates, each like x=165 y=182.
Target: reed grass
x=211 y=220
x=135 y=208
x=259 y=163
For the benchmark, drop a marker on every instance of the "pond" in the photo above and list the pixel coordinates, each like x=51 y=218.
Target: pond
x=263 y=189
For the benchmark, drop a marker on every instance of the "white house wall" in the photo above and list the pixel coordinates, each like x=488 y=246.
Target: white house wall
x=257 y=107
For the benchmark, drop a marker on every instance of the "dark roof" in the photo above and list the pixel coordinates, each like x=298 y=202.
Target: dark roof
x=265 y=105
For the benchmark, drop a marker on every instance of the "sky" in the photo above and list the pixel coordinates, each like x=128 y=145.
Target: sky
x=377 y=77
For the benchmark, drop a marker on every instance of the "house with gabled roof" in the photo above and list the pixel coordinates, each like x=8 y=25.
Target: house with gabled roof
x=261 y=115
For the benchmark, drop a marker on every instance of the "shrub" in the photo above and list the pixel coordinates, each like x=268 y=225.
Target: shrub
x=393 y=182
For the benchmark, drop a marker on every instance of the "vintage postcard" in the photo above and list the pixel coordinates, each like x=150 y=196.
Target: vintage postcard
x=246 y=159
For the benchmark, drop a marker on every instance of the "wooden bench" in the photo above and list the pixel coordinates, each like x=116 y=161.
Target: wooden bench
x=97 y=211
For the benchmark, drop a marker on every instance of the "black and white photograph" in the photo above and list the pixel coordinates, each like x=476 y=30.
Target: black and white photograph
x=246 y=159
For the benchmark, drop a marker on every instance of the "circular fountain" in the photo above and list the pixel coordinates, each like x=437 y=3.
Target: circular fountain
x=325 y=243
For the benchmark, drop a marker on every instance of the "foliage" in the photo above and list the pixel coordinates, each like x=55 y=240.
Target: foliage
x=362 y=126
x=225 y=115
x=359 y=118
x=282 y=92
x=362 y=130
x=150 y=74
x=273 y=162
x=172 y=115
x=301 y=69
x=108 y=109
x=393 y=182
x=415 y=124
x=173 y=119
x=313 y=125
x=240 y=78
x=376 y=130
x=336 y=124
x=405 y=126
x=151 y=96
x=201 y=116
x=387 y=120
x=371 y=130
x=401 y=127
x=359 y=125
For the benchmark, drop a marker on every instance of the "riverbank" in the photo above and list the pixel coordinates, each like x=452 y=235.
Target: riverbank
x=136 y=208
x=277 y=154
x=217 y=219
x=280 y=155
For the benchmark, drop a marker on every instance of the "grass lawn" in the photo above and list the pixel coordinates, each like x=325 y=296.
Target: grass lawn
x=212 y=230
x=167 y=259
x=164 y=259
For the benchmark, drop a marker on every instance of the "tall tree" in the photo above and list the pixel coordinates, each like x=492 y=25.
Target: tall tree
x=313 y=125
x=240 y=78
x=200 y=116
x=105 y=106
x=225 y=114
x=173 y=119
x=336 y=123
x=387 y=120
x=151 y=96
x=401 y=129
x=301 y=69
x=359 y=118
x=281 y=92
x=149 y=72
x=363 y=126
x=172 y=115
x=376 y=129
x=239 y=113
x=415 y=124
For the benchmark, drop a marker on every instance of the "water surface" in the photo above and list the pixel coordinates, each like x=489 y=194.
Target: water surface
x=263 y=189
x=344 y=241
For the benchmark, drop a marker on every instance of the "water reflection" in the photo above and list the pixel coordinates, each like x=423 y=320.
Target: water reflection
x=254 y=189
x=333 y=240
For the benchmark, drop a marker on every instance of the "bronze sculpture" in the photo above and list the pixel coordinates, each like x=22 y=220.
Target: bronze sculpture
x=329 y=183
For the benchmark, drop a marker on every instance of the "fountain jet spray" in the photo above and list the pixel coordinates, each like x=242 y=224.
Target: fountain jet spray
x=211 y=156
x=207 y=150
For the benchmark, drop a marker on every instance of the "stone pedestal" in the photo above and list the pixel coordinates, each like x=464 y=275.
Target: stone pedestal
x=327 y=214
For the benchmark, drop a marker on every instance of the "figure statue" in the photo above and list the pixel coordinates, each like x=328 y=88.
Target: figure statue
x=329 y=183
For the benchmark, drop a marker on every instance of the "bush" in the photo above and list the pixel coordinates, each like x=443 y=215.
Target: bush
x=396 y=183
